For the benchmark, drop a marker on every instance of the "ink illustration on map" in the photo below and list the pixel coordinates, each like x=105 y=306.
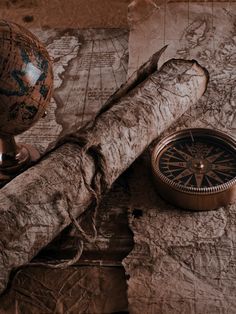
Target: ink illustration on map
x=182 y=260
x=193 y=30
x=89 y=65
x=177 y=261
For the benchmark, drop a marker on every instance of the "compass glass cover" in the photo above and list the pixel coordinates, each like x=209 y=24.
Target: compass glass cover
x=198 y=163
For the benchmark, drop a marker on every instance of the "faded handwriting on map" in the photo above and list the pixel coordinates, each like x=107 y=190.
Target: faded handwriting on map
x=183 y=262
x=89 y=65
x=205 y=32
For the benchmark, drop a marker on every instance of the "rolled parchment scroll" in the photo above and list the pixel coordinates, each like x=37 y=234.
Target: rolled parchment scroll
x=38 y=204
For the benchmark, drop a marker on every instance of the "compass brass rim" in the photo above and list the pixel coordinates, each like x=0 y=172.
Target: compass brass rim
x=205 y=133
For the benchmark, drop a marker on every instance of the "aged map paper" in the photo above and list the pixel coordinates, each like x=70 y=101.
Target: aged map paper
x=89 y=65
x=96 y=284
x=204 y=31
x=182 y=261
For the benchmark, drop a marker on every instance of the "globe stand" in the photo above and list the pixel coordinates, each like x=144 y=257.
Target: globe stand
x=14 y=158
x=26 y=89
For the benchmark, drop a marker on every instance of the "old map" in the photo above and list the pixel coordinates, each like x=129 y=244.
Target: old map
x=202 y=31
x=184 y=262
x=88 y=67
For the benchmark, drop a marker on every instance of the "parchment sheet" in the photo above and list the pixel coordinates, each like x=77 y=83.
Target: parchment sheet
x=182 y=261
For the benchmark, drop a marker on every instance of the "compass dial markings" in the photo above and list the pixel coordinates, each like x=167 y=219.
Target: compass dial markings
x=174 y=170
x=185 y=156
x=183 y=174
x=188 y=181
x=199 y=178
x=209 y=182
x=210 y=149
x=214 y=176
x=180 y=164
x=203 y=167
x=209 y=164
x=171 y=155
x=225 y=160
x=220 y=167
x=189 y=149
x=229 y=175
x=214 y=157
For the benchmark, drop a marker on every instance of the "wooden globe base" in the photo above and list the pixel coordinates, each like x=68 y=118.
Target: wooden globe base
x=14 y=158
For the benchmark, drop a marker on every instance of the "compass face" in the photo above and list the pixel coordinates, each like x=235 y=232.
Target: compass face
x=196 y=169
x=197 y=162
x=200 y=163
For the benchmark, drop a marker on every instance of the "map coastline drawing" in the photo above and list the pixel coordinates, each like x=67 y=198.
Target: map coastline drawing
x=89 y=65
x=182 y=261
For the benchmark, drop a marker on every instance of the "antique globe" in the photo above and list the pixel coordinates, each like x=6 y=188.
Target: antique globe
x=26 y=81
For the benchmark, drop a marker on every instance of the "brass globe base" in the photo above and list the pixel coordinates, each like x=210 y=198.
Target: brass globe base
x=14 y=158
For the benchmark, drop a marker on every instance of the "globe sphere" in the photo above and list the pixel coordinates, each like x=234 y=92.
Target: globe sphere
x=26 y=79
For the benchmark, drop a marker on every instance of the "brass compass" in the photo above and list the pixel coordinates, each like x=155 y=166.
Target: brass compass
x=196 y=169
